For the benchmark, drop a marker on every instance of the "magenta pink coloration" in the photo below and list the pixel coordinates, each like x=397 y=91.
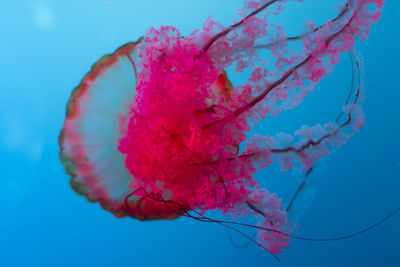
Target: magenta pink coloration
x=182 y=138
x=178 y=121
x=175 y=153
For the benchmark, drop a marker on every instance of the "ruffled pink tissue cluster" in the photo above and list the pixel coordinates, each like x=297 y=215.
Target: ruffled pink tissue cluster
x=188 y=120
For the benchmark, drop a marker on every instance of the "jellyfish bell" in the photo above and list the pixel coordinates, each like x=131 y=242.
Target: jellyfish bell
x=94 y=122
x=96 y=119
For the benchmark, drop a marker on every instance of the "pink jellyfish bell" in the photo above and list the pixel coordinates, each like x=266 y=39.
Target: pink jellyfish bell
x=153 y=130
x=97 y=118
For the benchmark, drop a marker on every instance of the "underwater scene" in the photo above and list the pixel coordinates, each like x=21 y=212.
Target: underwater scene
x=200 y=133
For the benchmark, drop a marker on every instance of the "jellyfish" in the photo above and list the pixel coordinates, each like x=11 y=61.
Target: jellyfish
x=157 y=130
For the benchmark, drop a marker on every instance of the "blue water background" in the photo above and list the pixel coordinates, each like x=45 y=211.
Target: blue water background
x=46 y=48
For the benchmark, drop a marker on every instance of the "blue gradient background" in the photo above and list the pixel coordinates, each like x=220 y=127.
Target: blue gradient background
x=46 y=48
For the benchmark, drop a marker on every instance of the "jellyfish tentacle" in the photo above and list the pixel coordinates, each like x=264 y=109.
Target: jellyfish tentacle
x=299 y=189
x=364 y=230
x=200 y=217
x=328 y=239
x=236 y=25
x=254 y=208
x=355 y=66
x=301 y=36
x=234 y=243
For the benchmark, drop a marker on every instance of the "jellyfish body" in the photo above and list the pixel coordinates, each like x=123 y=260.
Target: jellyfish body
x=153 y=131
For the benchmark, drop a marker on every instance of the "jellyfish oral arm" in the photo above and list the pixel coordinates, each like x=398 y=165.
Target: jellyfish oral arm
x=331 y=134
x=324 y=42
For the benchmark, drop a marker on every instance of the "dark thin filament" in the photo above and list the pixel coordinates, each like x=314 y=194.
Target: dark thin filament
x=234 y=243
x=317 y=239
x=185 y=212
x=357 y=69
x=301 y=36
x=200 y=217
x=229 y=29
